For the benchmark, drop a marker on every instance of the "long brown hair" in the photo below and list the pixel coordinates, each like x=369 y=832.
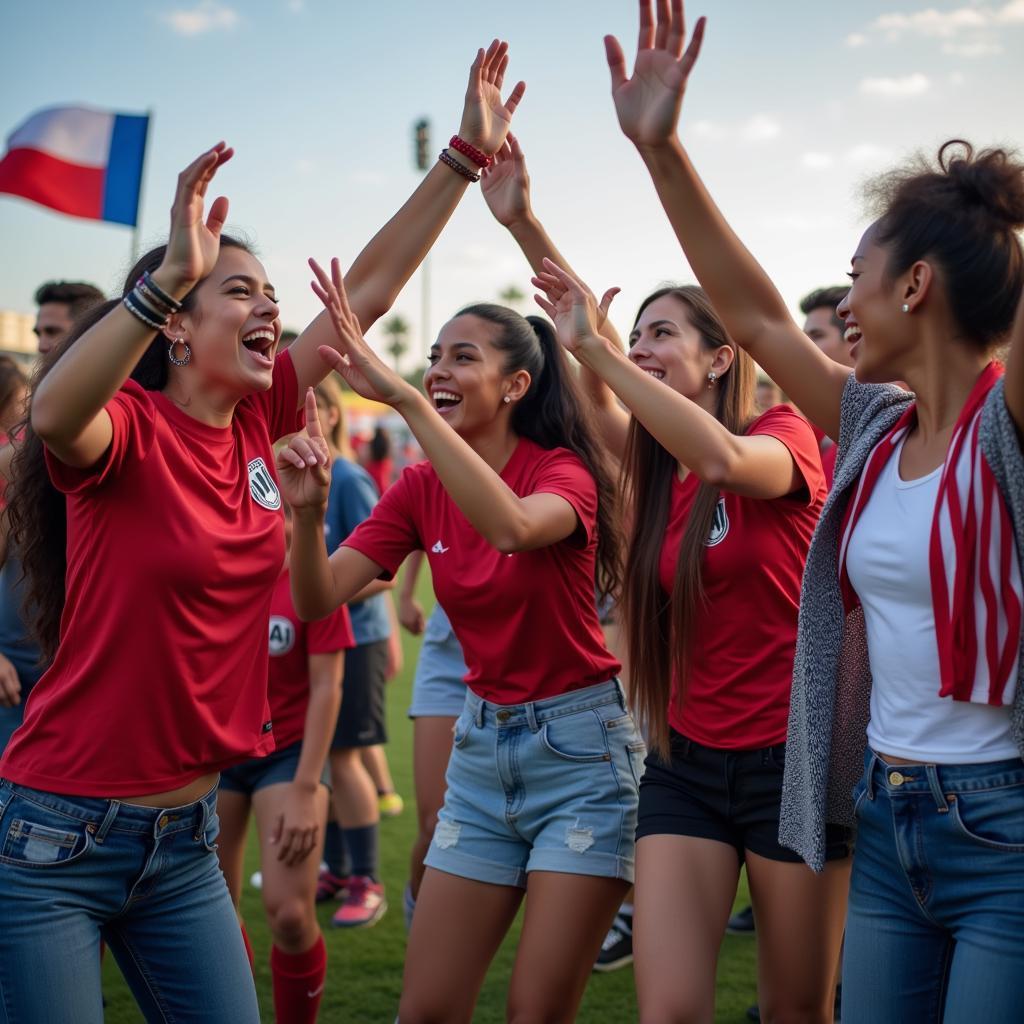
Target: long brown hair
x=659 y=629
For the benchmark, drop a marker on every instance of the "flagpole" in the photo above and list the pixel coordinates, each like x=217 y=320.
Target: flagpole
x=136 y=233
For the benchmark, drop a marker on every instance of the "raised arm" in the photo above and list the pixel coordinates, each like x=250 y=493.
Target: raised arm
x=759 y=467
x=648 y=105
x=319 y=584
x=506 y=188
x=391 y=257
x=68 y=405
x=505 y=520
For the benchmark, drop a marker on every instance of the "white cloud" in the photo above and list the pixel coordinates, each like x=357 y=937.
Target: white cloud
x=967 y=31
x=916 y=84
x=855 y=39
x=867 y=153
x=707 y=130
x=931 y=22
x=296 y=6
x=817 y=161
x=207 y=16
x=957 y=78
x=760 y=128
x=980 y=47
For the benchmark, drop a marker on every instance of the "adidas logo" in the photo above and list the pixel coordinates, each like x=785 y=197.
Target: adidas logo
x=438 y=548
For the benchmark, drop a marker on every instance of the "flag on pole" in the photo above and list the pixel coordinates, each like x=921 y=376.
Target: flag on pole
x=78 y=160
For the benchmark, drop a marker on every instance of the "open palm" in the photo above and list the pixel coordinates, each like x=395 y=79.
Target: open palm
x=485 y=117
x=648 y=103
x=506 y=185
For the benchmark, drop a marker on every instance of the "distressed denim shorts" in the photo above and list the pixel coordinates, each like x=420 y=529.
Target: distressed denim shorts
x=551 y=785
x=438 y=688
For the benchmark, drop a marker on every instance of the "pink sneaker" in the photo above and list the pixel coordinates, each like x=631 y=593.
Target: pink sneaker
x=330 y=886
x=363 y=905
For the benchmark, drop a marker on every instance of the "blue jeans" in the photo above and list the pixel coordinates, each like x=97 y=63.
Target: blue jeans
x=936 y=919
x=74 y=870
x=550 y=785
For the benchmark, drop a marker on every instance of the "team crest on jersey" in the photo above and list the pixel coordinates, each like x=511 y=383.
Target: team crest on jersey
x=262 y=487
x=282 y=636
x=719 y=525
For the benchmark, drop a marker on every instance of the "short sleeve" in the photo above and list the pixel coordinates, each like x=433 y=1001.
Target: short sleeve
x=334 y=633
x=390 y=533
x=562 y=472
x=279 y=407
x=132 y=422
x=789 y=427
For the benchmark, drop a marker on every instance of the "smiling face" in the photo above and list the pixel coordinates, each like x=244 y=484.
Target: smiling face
x=877 y=336
x=467 y=381
x=232 y=326
x=665 y=344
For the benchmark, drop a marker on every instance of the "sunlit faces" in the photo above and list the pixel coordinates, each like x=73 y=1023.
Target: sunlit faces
x=821 y=328
x=233 y=328
x=874 y=331
x=666 y=345
x=53 y=321
x=466 y=380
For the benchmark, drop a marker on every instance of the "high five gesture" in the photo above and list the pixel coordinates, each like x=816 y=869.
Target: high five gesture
x=648 y=104
x=485 y=117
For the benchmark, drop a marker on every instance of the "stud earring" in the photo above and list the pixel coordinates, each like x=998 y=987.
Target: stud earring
x=712 y=377
x=506 y=400
x=186 y=358
x=905 y=307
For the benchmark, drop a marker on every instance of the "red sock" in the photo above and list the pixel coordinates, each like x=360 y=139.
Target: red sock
x=248 y=949
x=298 y=983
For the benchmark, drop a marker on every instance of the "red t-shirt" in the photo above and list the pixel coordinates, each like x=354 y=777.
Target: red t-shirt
x=292 y=641
x=382 y=472
x=527 y=622
x=175 y=541
x=741 y=669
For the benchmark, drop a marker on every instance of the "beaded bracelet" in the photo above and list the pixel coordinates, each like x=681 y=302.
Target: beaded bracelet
x=141 y=311
x=478 y=156
x=446 y=158
x=151 y=290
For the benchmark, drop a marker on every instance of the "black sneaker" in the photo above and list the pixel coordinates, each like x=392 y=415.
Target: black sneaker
x=741 y=923
x=617 y=948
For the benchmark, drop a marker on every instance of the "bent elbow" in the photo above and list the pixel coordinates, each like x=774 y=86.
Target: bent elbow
x=716 y=472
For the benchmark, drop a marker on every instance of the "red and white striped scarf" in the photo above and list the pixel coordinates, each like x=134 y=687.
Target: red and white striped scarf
x=977 y=595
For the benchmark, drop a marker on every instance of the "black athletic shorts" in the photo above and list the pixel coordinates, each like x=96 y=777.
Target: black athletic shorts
x=361 y=720
x=732 y=796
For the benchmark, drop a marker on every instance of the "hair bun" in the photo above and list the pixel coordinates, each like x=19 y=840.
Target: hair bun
x=992 y=178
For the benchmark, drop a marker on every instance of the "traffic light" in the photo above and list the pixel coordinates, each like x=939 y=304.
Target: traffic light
x=421 y=139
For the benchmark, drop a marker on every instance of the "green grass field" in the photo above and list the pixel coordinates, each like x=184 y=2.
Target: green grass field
x=365 y=966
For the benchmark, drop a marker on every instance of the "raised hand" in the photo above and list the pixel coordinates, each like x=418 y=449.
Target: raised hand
x=362 y=369
x=648 y=104
x=193 y=245
x=506 y=184
x=576 y=314
x=304 y=464
x=485 y=118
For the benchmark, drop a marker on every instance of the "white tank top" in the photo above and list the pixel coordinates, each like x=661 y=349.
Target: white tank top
x=887 y=562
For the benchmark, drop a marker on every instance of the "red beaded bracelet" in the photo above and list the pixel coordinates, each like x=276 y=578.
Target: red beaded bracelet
x=478 y=157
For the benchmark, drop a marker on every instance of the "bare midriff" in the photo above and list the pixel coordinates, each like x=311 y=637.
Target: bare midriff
x=189 y=794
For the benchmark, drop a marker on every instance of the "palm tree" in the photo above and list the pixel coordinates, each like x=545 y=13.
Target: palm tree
x=511 y=296
x=397 y=329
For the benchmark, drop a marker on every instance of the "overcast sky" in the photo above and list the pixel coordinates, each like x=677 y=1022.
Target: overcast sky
x=791 y=106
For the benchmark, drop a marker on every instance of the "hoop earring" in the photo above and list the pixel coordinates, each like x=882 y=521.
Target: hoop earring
x=712 y=377
x=186 y=358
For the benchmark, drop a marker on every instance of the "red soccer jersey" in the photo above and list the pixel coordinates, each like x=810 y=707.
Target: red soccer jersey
x=527 y=622
x=175 y=541
x=744 y=637
x=292 y=641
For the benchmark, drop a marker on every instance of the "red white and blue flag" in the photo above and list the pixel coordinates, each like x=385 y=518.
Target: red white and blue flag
x=80 y=161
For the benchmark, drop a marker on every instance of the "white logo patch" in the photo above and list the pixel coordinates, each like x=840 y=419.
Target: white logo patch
x=719 y=525
x=282 y=636
x=262 y=487
x=439 y=548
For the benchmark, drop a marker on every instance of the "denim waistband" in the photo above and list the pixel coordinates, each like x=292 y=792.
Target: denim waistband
x=107 y=815
x=939 y=779
x=535 y=712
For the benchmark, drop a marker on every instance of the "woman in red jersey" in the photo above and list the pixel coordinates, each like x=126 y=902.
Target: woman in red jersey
x=288 y=792
x=174 y=542
x=515 y=513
